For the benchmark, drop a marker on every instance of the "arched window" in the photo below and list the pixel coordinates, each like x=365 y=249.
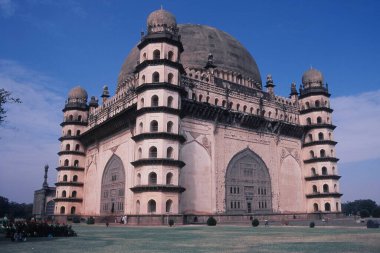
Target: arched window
x=310 y=137
x=216 y=101
x=308 y=121
x=169 y=127
x=76 y=163
x=258 y=111
x=74 y=194
x=67 y=147
x=200 y=97
x=152 y=178
x=170 y=56
x=156 y=54
x=170 y=78
x=138 y=181
x=324 y=171
x=142 y=102
x=75 y=178
x=316 y=208
x=327 y=207
x=237 y=107
x=77 y=147
x=153 y=126
x=142 y=79
x=153 y=152
x=69 y=133
x=141 y=126
x=311 y=154
x=62 y=210
x=322 y=153
x=319 y=120
x=169 y=204
x=320 y=136
x=80 y=118
x=207 y=99
x=244 y=108
x=151 y=206
x=170 y=101
x=329 y=136
x=315 y=189
x=137 y=206
x=337 y=206
x=317 y=103
x=78 y=132
x=335 y=188
x=155 y=77
x=169 y=178
x=313 y=172
x=307 y=105
x=193 y=96
x=71 y=117
x=144 y=56
x=224 y=103
x=169 y=153
x=139 y=153
x=332 y=152
x=154 y=101
x=230 y=105
x=64 y=178
x=333 y=170
x=66 y=163
x=72 y=211
x=325 y=188
x=63 y=194
x=251 y=110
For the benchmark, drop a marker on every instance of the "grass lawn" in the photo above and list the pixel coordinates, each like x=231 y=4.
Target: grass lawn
x=98 y=238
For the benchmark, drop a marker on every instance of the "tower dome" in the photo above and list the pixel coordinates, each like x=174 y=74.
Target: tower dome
x=77 y=94
x=312 y=77
x=161 y=18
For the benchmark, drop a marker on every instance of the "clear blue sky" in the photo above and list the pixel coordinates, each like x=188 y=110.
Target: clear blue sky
x=49 y=46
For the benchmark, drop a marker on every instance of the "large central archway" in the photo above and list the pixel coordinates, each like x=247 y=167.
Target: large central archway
x=113 y=188
x=248 y=184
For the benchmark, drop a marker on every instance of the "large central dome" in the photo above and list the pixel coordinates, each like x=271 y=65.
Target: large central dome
x=198 y=42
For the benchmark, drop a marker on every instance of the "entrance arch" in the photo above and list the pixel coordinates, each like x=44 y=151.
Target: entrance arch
x=248 y=184
x=113 y=187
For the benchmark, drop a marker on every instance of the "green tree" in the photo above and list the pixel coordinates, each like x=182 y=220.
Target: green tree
x=353 y=207
x=6 y=97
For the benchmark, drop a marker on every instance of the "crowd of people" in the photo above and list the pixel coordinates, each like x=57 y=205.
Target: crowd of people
x=21 y=230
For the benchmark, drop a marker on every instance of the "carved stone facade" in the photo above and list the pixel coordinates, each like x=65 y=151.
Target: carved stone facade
x=191 y=131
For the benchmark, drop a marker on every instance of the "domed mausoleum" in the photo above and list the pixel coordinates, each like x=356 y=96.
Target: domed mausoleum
x=192 y=131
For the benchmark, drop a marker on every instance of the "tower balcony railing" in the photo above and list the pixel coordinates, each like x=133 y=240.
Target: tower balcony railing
x=324 y=195
x=159 y=135
x=70 y=168
x=71 y=152
x=157 y=188
x=69 y=183
x=158 y=161
x=321 y=159
x=319 y=142
x=68 y=199
x=68 y=121
x=319 y=125
x=322 y=177
x=316 y=109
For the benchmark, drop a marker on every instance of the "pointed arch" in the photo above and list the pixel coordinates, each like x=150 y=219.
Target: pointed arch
x=113 y=187
x=246 y=173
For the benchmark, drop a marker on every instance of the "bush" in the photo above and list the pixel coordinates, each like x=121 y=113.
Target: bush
x=372 y=224
x=171 y=223
x=312 y=224
x=91 y=220
x=211 y=221
x=364 y=213
x=255 y=222
x=376 y=212
x=76 y=219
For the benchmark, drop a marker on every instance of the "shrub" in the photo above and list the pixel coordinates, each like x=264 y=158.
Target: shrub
x=171 y=223
x=312 y=224
x=372 y=224
x=255 y=222
x=76 y=219
x=211 y=221
x=364 y=213
x=376 y=212
x=91 y=220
